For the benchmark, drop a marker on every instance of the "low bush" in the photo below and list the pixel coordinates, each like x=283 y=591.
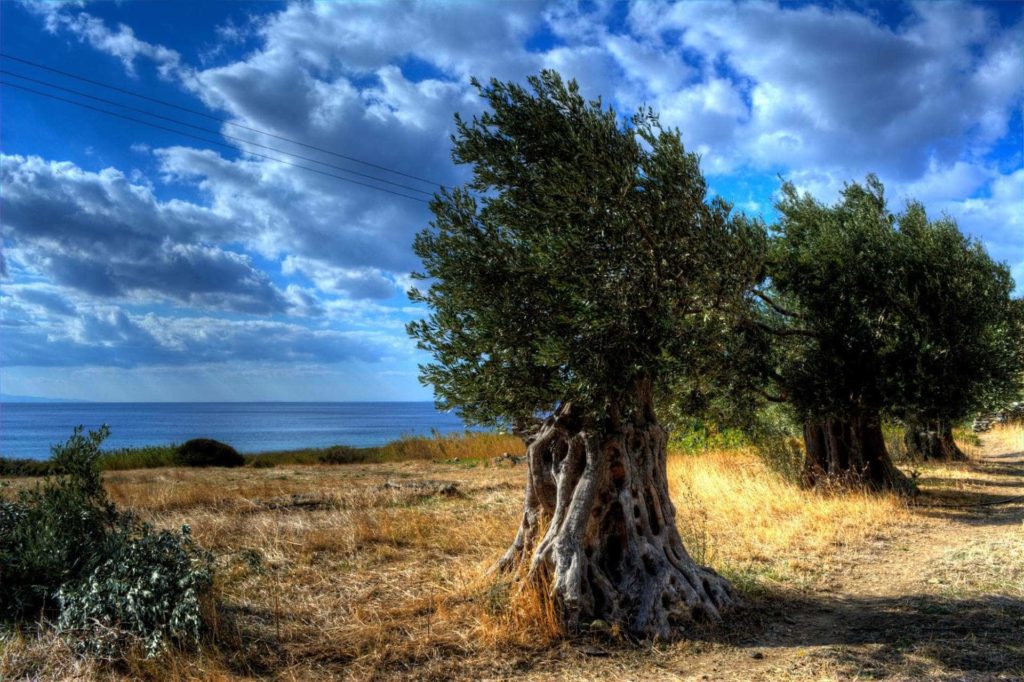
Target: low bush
x=335 y=454
x=108 y=580
x=151 y=588
x=206 y=452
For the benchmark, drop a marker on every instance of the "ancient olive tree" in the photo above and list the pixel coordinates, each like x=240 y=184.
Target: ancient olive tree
x=962 y=334
x=830 y=325
x=580 y=268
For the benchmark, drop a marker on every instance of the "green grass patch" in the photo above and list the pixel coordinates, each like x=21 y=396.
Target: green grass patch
x=147 y=457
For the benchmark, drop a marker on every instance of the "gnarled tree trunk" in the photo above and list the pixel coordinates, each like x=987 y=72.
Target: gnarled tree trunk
x=933 y=441
x=610 y=549
x=849 y=451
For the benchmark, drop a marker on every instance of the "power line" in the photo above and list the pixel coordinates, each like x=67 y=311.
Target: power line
x=214 y=132
x=204 y=114
x=207 y=140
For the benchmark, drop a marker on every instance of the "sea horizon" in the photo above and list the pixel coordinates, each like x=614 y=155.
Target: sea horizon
x=35 y=400
x=29 y=429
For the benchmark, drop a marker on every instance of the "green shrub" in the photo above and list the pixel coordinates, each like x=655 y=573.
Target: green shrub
x=206 y=452
x=52 y=534
x=150 y=588
x=109 y=581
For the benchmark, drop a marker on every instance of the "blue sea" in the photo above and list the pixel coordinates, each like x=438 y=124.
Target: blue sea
x=27 y=430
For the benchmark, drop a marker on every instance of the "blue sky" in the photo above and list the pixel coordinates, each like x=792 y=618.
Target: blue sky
x=140 y=264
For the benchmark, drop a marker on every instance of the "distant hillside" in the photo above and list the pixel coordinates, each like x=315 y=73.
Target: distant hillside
x=7 y=398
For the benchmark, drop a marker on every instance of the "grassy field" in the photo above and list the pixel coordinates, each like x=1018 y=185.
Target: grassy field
x=377 y=570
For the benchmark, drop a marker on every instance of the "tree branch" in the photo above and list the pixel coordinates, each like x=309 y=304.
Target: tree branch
x=775 y=306
x=786 y=332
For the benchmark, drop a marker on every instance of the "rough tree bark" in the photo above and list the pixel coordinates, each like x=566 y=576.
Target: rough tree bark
x=610 y=549
x=933 y=441
x=849 y=451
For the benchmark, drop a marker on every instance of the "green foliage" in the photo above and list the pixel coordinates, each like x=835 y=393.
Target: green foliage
x=67 y=552
x=697 y=435
x=206 y=452
x=150 y=588
x=53 y=533
x=867 y=312
x=582 y=263
x=963 y=332
x=835 y=270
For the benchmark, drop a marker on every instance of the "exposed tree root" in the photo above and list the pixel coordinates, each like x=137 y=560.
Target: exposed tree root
x=598 y=533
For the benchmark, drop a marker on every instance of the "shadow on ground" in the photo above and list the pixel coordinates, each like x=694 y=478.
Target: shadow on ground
x=918 y=635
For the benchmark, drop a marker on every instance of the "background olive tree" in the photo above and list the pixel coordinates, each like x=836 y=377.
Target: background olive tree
x=866 y=316
x=964 y=333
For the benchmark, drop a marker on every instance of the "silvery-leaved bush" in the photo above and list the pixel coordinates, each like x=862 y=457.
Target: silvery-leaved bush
x=109 y=581
x=149 y=590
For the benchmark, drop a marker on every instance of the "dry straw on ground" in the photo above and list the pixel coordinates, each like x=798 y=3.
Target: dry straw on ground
x=377 y=571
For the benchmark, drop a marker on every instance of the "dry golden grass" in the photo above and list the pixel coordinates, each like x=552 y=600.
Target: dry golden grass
x=1006 y=438
x=759 y=529
x=371 y=571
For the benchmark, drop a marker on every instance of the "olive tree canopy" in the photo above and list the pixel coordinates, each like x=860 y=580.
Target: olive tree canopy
x=583 y=267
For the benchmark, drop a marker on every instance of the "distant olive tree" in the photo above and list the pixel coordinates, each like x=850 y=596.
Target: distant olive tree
x=963 y=331
x=865 y=315
x=581 y=270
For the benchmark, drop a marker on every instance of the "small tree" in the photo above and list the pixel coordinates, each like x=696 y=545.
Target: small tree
x=580 y=269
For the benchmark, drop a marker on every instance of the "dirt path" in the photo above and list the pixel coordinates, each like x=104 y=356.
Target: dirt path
x=939 y=598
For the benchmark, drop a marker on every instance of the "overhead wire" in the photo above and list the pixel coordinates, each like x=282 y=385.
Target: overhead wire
x=7 y=84
x=212 y=131
x=197 y=112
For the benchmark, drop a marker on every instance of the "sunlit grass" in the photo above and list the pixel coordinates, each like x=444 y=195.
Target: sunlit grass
x=759 y=528
x=369 y=570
